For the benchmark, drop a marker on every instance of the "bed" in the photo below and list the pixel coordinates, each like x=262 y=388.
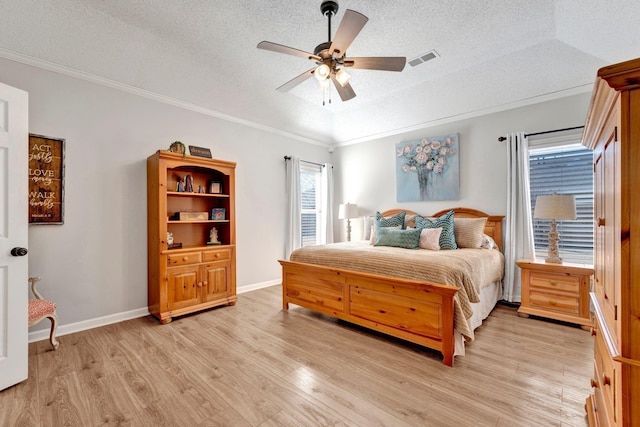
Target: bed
x=359 y=283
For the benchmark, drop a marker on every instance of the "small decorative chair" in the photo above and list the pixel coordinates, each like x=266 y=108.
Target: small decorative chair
x=39 y=309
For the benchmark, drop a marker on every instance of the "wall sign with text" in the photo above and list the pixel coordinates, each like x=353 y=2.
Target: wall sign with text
x=46 y=180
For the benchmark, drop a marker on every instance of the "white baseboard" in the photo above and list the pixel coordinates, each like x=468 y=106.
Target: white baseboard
x=257 y=286
x=84 y=325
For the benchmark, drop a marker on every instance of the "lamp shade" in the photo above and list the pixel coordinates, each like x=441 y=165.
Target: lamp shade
x=555 y=206
x=348 y=211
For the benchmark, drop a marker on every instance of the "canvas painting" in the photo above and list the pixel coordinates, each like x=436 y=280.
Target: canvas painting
x=428 y=169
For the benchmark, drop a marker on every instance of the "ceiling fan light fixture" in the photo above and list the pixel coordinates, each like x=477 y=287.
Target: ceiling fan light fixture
x=322 y=72
x=342 y=77
x=323 y=84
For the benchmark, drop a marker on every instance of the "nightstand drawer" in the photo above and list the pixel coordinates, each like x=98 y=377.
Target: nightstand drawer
x=562 y=303
x=557 y=282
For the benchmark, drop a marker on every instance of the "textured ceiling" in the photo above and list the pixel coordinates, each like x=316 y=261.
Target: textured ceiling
x=493 y=54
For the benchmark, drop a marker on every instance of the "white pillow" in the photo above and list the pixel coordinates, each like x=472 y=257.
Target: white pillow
x=430 y=238
x=367 y=223
x=488 y=242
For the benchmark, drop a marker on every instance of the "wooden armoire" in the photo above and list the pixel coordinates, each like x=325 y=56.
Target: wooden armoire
x=612 y=131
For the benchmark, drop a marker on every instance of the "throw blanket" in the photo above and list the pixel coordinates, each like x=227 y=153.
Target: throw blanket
x=469 y=269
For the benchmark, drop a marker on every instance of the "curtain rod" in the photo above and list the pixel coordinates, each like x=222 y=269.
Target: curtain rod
x=526 y=135
x=305 y=161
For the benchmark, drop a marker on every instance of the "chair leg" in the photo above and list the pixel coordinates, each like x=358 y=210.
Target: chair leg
x=52 y=334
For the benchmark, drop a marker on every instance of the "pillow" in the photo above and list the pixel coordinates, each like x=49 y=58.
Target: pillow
x=488 y=242
x=391 y=221
x=367 y=223
x=372 y=237
x=408 y=239
x=447 y=236
x=469 y=231
x=410 y=221
x=430 y=238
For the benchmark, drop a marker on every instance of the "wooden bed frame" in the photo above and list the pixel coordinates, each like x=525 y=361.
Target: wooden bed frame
x=412 y=310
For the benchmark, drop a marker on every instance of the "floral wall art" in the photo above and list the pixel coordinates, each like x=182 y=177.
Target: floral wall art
x=428 y=169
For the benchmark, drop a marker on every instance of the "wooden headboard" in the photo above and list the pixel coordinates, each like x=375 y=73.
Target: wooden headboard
x=493 y=227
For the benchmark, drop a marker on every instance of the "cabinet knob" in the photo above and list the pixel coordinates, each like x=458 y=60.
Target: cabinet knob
x=600 y=222
x=553 y=283
x=552 y=302
x=217 y=255
x=199 y=284
x=206 y=283
x=594 y=384
x=593 y=332
x=606 y=380
x=186 y=258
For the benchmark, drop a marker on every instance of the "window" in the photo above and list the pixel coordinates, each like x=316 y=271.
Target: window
x=310 y=191
x=566 y=169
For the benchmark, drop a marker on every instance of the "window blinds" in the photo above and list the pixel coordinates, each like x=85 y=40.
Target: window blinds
x=564 y=170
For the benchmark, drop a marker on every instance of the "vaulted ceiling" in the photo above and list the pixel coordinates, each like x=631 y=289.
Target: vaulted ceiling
x=492 y=55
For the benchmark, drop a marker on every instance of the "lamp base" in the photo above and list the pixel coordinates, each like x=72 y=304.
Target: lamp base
x=554 y=238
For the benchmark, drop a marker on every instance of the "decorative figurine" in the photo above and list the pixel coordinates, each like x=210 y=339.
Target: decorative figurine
x=180 y=185
x=169 y=238
x=188 y=184
x=213 y=237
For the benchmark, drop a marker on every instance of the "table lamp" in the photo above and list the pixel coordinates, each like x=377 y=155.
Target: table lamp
x=348 y=211
x=555 y=207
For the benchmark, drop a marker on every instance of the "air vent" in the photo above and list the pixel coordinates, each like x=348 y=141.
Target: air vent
x=432 y=54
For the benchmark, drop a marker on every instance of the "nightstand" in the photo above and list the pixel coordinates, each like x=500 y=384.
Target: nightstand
x=556 y=291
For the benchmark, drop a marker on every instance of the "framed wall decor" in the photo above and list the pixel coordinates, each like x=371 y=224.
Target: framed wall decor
x=428 y=169
x=215 y=187
x=218 y=214
x=46 y=180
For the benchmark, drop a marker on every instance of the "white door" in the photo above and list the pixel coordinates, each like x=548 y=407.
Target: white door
x=14 y=212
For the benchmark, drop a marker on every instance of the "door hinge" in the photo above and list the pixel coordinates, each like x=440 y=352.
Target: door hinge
x=615 y=133
x=615 y=312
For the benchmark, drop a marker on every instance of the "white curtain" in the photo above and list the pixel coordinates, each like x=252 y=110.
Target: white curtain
x=519 y=227
x=293 y=237
x=326 y=226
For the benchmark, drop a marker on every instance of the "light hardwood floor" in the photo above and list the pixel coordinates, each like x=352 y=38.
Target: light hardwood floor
x=255 y=365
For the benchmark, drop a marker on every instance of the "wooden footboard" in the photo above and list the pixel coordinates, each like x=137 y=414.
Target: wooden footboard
x=408 y=309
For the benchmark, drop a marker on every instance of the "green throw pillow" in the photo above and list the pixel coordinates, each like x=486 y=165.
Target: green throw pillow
x=447 y=237
x=408 y=239
x=393 y=221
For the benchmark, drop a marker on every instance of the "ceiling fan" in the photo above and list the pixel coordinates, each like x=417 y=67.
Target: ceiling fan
x=330 y=57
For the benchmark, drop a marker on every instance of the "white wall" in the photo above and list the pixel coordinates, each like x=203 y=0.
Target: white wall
x=365 y=173
x=96 y=263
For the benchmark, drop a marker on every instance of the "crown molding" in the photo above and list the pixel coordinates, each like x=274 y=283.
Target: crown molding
x=102 y=81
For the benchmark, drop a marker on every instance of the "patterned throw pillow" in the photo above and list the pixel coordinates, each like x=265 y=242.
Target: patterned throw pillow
x=372 y=236
x=430 y=238
x=447 y=237
x=469 y=232
x=392 y=221
x=408 y=239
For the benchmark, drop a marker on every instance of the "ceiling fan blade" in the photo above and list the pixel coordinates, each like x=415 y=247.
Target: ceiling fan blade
x=384 y=63
x=296 y=81
x=351 y=24
x=346 y=92
x=275 y=47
